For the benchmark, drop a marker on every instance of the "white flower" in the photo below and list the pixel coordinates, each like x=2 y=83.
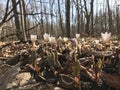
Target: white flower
x=33 y=38
x=52 y=40
x=96 y=41
x=83 y=40
x=105 y=36
x=60 y=39
x=77 y=36
x=46 y=37
x=57 y=88
x=65 y=39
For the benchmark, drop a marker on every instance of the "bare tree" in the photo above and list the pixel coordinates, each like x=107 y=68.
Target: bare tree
x=60 y=18
x=51 y=11
x=68 y=18
x=81 y=14
x=117 y=20
x=17 y=22
x=23 y=18
x=41 y=19
x=92 y=13
x=46 y=18
x=88 y=16
x=1 y=11
x=110 y=17
x=78 y=17
x=8 y=16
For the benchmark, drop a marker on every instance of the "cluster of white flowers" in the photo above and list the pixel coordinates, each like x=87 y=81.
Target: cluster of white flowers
x=49 y=38
x=46 y=37
x=65 y=39
x=52 y=40
x=105 y=36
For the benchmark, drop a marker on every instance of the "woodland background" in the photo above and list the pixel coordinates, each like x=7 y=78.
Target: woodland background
x=20 y=18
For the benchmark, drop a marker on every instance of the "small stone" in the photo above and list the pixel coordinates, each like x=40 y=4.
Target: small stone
x=23 y=78
x=57 y=88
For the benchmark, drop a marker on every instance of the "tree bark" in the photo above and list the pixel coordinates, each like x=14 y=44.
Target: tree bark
x=88 y=16
x=51 y=11
x=117 y=20
x=92 y=29
x=42 y=22
x=17 y=22
x=47 y=21
x=110 y=17
x=23 y=18
x=78 y=17
x=60 y=18
x=68 y=18
x=81 y=22
x=87 y=25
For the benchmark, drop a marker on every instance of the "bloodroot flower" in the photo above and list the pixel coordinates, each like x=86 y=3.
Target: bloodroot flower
x=77 y=36
x=46 y=37
x=33 y=39
x=105 y=36
x=65 y=39
x=52 y=40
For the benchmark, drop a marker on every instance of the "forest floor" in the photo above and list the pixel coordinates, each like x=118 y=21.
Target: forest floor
x=25 y=67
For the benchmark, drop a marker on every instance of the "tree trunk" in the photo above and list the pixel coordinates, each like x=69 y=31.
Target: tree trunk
x=17 y=23
x=78 y=17
x=42 y=22
x=117 y=21
x=47 y=21
x=60 y=18
x=23 y=18
x=88 y=16
x=68 y=18
x=51 y=11
x=105 y=20
x=87 y=25
x=110 y=17
x=81 y=22
x=92 y=29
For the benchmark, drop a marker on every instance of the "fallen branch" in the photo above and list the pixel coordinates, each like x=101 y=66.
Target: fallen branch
x=8 y=76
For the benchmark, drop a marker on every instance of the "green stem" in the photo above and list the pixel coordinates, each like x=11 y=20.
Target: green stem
x=33 y=56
